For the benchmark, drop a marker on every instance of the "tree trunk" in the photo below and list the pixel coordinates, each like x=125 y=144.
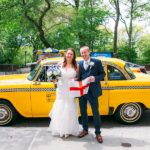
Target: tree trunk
x=131 y=25
x=77 y=4
x=42 y=37
x=116 y=2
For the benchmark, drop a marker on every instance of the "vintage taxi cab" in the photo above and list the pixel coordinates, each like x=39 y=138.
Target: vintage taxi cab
x=125 y=94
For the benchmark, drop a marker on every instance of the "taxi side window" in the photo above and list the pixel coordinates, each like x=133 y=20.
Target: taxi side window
x=43 y=75
x=114 y=73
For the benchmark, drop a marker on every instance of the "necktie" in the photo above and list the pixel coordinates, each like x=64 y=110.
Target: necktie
x=86 y=64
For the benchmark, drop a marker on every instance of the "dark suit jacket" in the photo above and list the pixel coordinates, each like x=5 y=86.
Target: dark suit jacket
x=97 y=71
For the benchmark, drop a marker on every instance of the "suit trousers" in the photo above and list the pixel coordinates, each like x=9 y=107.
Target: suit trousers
x=83 y=109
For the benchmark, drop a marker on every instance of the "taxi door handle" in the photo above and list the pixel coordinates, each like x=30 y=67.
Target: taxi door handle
x=105 y=82
x=36 y=83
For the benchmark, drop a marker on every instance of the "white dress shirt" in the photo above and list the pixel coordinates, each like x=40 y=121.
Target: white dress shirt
x=86 y=64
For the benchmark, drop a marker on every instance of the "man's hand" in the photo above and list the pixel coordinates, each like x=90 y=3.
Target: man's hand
x=92 y=79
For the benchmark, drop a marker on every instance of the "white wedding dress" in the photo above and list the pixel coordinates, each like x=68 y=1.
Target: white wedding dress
x=64 y=114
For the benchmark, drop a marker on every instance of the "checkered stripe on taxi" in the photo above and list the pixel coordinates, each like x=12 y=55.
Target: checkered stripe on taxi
x=27 y=89
x=53 y=89
x=125 y=87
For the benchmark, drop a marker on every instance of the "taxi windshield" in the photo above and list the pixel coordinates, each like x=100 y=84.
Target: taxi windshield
x=33 y=72
x=131 y=74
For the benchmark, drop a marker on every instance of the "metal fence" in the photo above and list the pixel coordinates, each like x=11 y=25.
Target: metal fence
x=8 y=67
x=13 y=69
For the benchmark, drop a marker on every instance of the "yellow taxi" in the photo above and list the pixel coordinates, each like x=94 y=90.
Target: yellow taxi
x=125 y=94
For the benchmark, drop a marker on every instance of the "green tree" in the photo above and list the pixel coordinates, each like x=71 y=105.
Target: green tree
x=135 y=9
x=144 y=48
x=35 y=12
x=125 y=54
x=86 y=24
x=9 y=30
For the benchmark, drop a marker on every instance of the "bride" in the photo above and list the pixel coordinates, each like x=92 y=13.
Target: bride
x=64 y=114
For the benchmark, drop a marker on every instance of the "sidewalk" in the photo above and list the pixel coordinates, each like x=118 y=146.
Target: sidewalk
x=41 y=139
x=33 y=134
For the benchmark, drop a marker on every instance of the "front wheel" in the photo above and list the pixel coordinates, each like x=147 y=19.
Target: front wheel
x=7 y=113
x=129 y=113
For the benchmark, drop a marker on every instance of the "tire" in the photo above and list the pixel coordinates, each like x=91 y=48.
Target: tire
x=129 y=113
x=7 y=113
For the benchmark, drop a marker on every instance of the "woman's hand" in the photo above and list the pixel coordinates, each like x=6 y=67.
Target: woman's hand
x=76 y=79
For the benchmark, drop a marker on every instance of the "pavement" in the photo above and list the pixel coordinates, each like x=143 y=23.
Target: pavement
x=33 y=134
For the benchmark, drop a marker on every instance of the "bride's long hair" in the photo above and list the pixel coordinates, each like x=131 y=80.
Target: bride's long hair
x=74 y=62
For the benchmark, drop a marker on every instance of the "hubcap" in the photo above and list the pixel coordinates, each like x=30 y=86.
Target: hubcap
x=3 y=114
x=130 y=111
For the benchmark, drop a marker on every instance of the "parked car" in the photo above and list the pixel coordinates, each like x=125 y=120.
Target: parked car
x=136 y=67
x=125 y=94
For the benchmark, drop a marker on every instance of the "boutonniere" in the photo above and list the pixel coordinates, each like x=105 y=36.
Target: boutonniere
x=91 y=64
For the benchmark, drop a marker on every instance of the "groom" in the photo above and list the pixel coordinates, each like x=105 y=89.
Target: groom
x=92 y=68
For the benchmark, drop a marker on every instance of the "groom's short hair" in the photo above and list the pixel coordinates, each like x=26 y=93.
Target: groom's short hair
x=84 y=47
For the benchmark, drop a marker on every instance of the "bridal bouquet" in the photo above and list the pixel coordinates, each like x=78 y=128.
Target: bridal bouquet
x=53 y=73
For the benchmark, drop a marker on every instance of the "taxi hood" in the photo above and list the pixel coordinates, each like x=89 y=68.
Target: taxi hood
x=142 y=76
x=13 y=79
x=14 y=76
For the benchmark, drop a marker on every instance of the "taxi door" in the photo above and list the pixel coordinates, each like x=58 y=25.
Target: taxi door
x=117 y=85
x=43 y=94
